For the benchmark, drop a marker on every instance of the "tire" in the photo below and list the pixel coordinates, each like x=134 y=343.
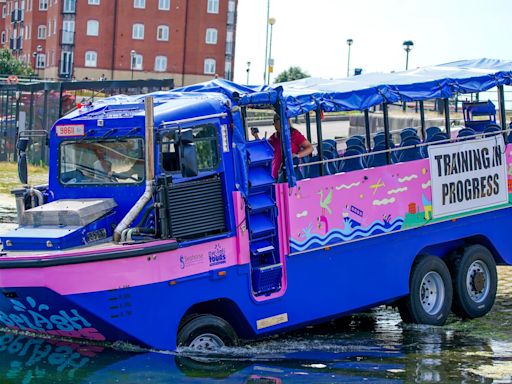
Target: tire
x=430 y=292
x=475 y=282
x=207 y=333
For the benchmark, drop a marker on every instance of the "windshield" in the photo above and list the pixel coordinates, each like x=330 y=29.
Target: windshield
x=102 y=161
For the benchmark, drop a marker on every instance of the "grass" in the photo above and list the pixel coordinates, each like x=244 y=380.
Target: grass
x=9 y=176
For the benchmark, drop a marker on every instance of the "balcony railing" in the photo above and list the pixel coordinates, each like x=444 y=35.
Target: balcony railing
x=67 y=37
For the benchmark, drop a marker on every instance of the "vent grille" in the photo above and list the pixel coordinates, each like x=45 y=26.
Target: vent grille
x=196 y=209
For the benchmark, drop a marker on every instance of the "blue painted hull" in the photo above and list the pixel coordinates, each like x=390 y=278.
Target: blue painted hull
x=321 y=284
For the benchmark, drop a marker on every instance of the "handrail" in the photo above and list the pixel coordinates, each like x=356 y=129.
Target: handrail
x=396 y=149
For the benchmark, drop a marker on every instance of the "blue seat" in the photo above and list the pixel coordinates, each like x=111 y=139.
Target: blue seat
x=408 y=132
x=412 y=153
x=381 y=138
x=312 y=170
x=431 y=131
x=492 y=130
x=352 y=164
x=378 y=159
x=354 y=141
x=466 y=134
x=438 y=138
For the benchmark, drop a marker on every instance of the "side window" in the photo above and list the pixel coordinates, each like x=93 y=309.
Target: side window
x=207 y=146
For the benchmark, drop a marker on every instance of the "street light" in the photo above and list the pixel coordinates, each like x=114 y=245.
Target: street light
x=349 y=42
x=266 y=45
x=132 y=60
x=35 y=54
x=270 y=64
x=248 y=69
x=408 y=45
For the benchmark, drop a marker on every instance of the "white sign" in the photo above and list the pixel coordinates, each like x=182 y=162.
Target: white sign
x=70 y=130
x=468 y=175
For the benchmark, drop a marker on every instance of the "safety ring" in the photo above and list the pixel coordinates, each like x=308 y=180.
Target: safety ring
x=12 y=79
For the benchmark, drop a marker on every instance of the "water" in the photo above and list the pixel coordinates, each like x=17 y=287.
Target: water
x=372 y=347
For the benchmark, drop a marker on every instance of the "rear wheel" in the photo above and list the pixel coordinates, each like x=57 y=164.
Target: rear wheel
x=475 y=282
x=430 y=296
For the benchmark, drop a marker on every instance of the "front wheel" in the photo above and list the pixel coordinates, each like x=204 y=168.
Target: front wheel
x=430 y=296
x=475 y=282
x=207 y=333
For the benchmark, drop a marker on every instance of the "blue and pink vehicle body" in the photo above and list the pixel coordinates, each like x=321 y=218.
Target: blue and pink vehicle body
x=231 y=242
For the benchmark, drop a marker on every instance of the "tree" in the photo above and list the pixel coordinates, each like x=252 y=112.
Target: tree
x=292 y=73
x=9 y=65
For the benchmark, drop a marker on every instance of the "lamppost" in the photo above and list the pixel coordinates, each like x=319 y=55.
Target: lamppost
x=270 y=64
x=408 y=45
x=248 y=69
x=35 y=54
x=349 y=42
x=132 y=60
x=266 y=45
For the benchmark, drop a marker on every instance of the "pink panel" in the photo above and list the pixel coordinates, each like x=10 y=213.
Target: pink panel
x=242 y=234
x=128 y=272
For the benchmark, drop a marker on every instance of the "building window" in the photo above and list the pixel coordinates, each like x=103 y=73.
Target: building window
x=160 y=63
x=66 y=63
x=162 y=33
x=54 y=25
x=137 y=62
x=164 y=5
x=139 y=4
x=69 y=6
x=93 y=28
x=68 y=31
x=43 y=5
x=4 y=11
x=93 y=2
x=41 y=32
x=209 y=66
x=213 y=6
x=211 y=36
x=2 y=39
x=40 y=60
x=91 y=58
x=138 y=32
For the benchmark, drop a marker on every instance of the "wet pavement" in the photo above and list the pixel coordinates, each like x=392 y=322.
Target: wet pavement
x=372 y=347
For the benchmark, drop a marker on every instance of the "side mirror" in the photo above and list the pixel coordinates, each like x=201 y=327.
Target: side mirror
x=188 y=153
x=22 y=145
x=22 y=168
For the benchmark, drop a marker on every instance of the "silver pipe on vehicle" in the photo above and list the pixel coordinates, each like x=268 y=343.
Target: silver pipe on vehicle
x=150 y=173
x=38 y=194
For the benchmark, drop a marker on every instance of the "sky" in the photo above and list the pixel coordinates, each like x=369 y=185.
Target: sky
x=312 y=34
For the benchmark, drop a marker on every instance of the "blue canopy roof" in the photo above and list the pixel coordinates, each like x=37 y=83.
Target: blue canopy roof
x=365 y=91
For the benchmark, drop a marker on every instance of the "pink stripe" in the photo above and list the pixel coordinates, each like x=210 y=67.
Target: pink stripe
x=128 y=272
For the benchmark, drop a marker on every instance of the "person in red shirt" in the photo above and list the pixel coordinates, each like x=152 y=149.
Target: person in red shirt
x=300 y=145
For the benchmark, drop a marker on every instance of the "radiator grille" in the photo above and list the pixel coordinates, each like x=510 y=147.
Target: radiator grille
x=196 y=209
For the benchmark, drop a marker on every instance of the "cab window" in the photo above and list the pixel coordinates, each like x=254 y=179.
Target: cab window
x=205 y=139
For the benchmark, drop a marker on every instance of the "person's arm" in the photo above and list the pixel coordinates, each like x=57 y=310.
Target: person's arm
x=306 y=148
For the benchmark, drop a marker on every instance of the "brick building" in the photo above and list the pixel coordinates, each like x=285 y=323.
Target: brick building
x=188 y=40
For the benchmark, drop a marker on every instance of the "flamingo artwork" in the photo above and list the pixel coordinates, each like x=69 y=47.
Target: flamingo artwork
x=324 y=204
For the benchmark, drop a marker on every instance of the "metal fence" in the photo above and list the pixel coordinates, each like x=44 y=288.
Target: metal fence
x=35 y=105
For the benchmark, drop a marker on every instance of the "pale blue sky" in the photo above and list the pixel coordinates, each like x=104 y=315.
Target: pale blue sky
x=312 y=34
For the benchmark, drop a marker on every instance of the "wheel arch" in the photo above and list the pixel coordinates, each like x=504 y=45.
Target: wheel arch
x=224 y=308
x=446 y=249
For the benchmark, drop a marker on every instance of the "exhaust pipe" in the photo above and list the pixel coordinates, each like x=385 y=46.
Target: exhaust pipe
x=150 y=172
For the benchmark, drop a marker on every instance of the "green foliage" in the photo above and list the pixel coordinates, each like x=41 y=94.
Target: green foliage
x=9 y=65
x=292 y=73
